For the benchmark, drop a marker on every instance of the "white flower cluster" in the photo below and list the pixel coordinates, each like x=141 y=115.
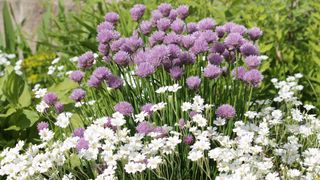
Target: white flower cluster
x=174 y=88
x=280 y=142
x=5 y=61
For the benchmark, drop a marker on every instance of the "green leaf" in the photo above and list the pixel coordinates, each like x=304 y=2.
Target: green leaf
x=32 y=116
x=62 y=89
x=9 y=32
x=25 y=98
x=9 y=112
x=13 y=87
x=74 y=161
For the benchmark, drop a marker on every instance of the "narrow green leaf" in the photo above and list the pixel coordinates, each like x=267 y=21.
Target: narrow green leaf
x=9 y=32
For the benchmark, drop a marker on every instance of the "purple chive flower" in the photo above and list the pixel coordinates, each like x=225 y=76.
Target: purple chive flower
x=187 y=58
x=78 y=94
x=183 y=11
x=228 y=26
x=102 y=73
x=106 y=58
x=215 y=58
x=79 y=132
x=218 y=48
x=174 y=51
x=115 y=45
x=173 y=14
x=176 y=72
x=254 y=33
x=200 y=45
x=209 y=36
x=144 y=69
x=192 y=27
x=229 y=55
x=58 y=106
x=147 y=108
x=115 y=82
x=137 y=11
x=239 y=72
x=187 y=41
x=121 y=58
x=165 y=9
x=212 y=71
x=156 y=37
x=145 y=27
x=220 y=30
x=82 y=144
x=226 y=111
x=103 y=48
x=181 y=123
x=112 y=17
x=124 y=108
x=145 y=128
x=105 y=26
x=253 y=62
x=238 y=29
x=42 y=125
x=172 y=38
x=193 y=82
x=76 y=76
x=105 y=36
x=86 y=60
x=177 y=26
x=155 y=16
x=109 y=125
x=248 y=49
x=94 y=81
x=233 y=39
x=163 y=24
x=161 y=131
x=188 y=139
x=132 y=44
x=206 y=24
x=253 y=77
x=50 y=98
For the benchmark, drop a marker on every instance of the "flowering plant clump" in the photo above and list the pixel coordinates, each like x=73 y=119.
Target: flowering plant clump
x=175 y=100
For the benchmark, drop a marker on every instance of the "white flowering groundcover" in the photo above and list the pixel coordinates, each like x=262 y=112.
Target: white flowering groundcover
x=175 y=100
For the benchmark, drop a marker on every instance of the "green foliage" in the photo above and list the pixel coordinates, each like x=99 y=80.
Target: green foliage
x=17 y=117
x=14 y=39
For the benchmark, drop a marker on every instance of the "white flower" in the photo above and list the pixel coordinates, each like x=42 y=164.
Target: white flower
x=56 y=60
x=46 y=134
x=201 y=121
x=296 y=115
x=298 y=75
x=74 y=59
x=308 y=107
x=51 y=70
x=40 y=93
x=251 y=114
x=117 y=119
x=78 y=104
x=186 y=106
x=153 y=162
x=273 y=176
x=63 y=119
x=162 y=90
x=294 y=173
x=158 y=106
x=219 y=121
x=174 y=88
x=68 y=177
x=195 y=155
x=42 y=107
x=140 y=117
